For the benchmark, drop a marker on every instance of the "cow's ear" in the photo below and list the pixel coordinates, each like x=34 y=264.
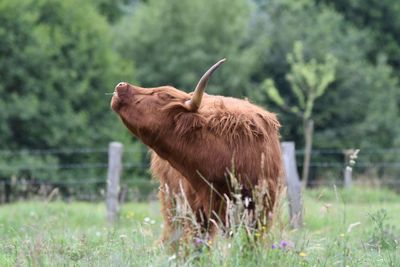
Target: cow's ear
x=188 y=105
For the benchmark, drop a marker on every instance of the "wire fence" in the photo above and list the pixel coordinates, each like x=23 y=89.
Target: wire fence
x=80 y=173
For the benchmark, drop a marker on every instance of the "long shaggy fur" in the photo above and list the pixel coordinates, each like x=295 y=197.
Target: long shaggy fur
x=197 y=151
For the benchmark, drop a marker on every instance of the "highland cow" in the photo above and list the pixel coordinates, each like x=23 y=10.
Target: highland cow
x=198 y=141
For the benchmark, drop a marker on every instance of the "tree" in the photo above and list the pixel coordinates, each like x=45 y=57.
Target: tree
x=308 y=80
x=322 y=30
x=175 y=41
x=114 y=10
x=381 y=18
x=56 y=64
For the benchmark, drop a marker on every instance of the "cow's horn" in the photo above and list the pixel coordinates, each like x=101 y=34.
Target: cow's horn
x=194 y=103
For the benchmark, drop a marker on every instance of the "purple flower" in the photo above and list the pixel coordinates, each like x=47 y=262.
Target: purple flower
x=283 y=244
x=274 y=246
x=198 y=241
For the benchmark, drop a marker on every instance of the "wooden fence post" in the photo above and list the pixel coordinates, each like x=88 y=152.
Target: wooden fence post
x=293 y=185
x=348 y=173
x=350 y=155
x=347 y=181
x=114 y=171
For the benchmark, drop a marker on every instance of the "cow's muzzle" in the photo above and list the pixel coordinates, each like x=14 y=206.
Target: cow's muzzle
x=121 y=89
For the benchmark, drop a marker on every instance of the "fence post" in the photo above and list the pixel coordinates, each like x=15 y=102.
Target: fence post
x=293 y=185
x=114 y=170
x=350 y=155
x=348 y=171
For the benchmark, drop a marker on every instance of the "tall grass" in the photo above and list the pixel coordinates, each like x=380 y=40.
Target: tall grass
x=339 y=231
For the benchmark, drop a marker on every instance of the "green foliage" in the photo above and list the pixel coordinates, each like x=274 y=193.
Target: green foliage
x=56 y=65
x=174 y=42
x=381 y=123
x=381 y=17
x=383 y=235
x=114 y=10
x=324 y=31
x=274 y=94
x=58 y=58
x=308 y=81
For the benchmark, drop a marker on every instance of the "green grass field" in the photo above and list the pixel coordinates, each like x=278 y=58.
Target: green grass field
x=344 y=228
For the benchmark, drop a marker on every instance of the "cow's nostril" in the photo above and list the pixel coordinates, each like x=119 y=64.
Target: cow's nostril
x=121 y=88
x=121 y=84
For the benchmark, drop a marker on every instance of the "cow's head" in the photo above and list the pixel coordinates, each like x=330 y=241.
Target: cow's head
x=145 y=111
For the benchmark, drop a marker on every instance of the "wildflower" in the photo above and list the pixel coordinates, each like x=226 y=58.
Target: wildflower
x=273 y=246
x=302 y=254
x=152 y=222
x=198 y=241
x=257 y=234
x=146 y=219
x=283 y=244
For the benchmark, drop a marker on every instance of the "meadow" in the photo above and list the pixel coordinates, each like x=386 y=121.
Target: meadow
x=355 y=227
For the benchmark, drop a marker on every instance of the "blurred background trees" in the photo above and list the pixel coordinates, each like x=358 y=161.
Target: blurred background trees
x=190 y=36
x=56 y=64
x=58 y=58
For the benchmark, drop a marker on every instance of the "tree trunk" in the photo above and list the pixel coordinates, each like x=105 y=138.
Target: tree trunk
x=308 y=136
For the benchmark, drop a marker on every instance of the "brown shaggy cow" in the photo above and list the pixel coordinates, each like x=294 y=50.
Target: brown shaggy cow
x=197 y=140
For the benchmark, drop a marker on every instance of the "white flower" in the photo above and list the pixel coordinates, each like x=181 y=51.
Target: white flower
x=146 y=219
